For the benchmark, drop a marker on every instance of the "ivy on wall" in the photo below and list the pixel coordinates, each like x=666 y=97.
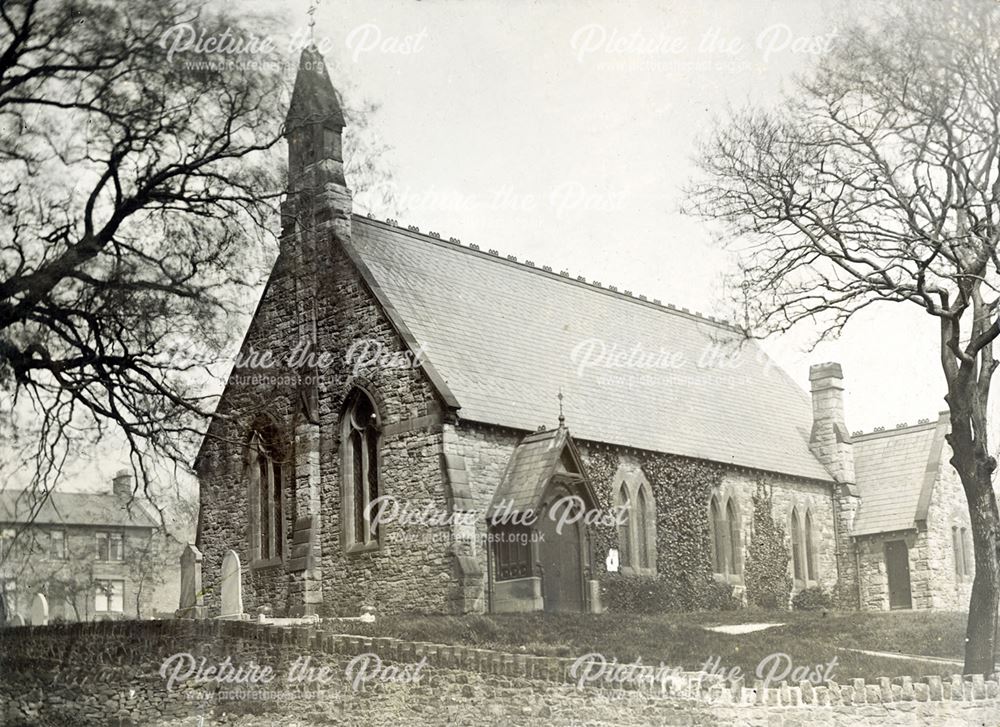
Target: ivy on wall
x=601 y=466
x=681 y=489
x=765 y=574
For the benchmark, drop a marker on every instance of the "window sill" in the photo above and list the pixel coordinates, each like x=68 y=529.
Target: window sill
x=735 y=579
x=629 y=570
x=265 y=564
x=800 y=585
x=362 y=548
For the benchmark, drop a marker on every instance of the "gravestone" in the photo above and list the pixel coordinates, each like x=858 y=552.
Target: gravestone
x=232 y=586
x=192 y=603
x=17 y=620
x=40 y=610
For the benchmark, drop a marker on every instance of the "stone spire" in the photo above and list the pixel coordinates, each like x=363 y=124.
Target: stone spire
x=315 y=121
x=318 y=199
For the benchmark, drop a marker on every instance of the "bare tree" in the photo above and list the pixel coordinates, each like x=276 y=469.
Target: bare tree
x=135 y=190
x=878 y=181
x=138 y=186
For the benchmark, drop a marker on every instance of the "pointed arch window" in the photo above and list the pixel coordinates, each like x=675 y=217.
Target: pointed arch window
x=637 y=528
x=963 y=558
x=642 y=527
x=735 y=567
x=361 y=477
x=625 y=529
x=724 y=537
x=807 y=533
x=265 y=474
x=803 y=546
x=797 y=569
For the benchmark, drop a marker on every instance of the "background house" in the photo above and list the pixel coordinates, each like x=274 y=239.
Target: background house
x=94 y=555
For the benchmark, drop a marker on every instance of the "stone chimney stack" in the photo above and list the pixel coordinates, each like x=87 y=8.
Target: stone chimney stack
x=830 y=441
x=121 y=484
x=832 y=445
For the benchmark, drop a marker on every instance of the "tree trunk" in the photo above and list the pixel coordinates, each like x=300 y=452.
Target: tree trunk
x=975 y=469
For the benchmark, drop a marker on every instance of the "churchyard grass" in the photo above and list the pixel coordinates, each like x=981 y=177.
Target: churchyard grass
x=681 y=639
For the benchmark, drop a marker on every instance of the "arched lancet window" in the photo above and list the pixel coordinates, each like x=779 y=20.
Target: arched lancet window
x=963 y=555
x=266 y=499
x=715 y=539
x=797 y=568
x=625 y=529
x=803 y=546
x=642 y=527
x=734 y=539
x=360 y=465
x=637 y=534
x=724 y=536
x=810 y=553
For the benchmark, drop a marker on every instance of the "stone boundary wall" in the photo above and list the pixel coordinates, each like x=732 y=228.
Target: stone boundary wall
x=30 y=658
x=693 y=685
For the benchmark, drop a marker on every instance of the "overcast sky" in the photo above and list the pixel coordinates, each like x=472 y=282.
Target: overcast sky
x=563 y=132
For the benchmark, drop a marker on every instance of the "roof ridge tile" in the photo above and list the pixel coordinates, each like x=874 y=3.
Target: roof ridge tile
x=530 y=264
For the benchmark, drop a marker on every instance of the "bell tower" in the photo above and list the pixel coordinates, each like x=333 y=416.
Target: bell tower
x=315 y=215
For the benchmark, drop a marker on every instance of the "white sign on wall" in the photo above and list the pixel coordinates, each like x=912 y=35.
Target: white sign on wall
x=611 y=562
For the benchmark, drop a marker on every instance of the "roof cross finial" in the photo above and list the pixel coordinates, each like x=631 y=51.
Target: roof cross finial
x=562 y=419
x=312 y=20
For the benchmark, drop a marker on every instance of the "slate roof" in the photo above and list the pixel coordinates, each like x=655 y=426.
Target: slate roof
x=895 y=471
x=74 y=508
x=504 y=338
x=535 y=460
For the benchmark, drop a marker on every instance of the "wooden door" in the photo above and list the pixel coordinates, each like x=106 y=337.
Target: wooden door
x=897 y=568
x=560 y=555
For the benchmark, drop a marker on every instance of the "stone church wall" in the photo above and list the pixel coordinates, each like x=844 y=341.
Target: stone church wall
x=400 y=575
x=948 y=508
x=487 y=450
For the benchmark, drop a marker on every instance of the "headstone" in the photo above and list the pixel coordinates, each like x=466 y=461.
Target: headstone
x=40 y=610
x=232 y=586
x=192 y=604
x=17 y=620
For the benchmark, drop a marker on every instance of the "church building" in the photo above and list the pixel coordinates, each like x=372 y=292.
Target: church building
x=448 y=429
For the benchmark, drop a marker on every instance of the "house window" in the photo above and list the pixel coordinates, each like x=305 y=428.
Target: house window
x=110 y=546
x=724 y=537
x=513 y=553
x=266 y=498
x=360 y=465
x=57 y=545
x=109 y=596
x=803 y=546
x=7 y=536
x=637 y=529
